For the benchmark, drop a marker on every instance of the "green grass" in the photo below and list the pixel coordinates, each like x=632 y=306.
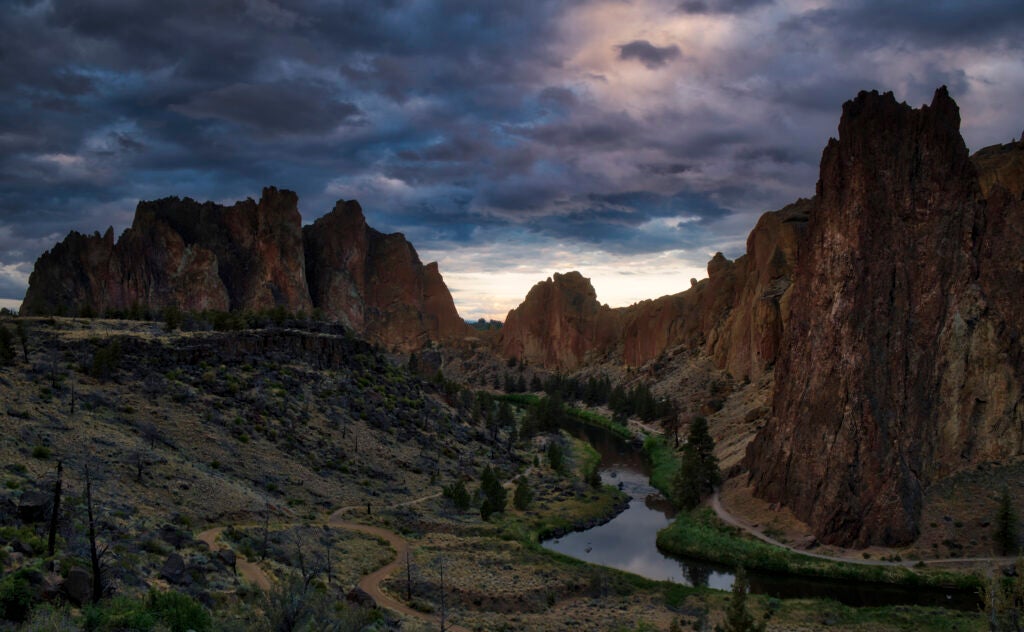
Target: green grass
x=702 y=535
x=584 y=456
x=534 y=525
x=664 y=463
x=589 y=417
x=599 y=420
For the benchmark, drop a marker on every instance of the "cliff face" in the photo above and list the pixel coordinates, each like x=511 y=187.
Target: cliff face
x=1001 y=166
x=901 y=358
x=559 y=324
x=736 y=315
x=251 y=256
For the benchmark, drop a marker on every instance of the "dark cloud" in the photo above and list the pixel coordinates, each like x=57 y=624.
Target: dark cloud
x=721 y=6
x=876 y=23
x=456 y=120
x=287 y=107
x=648 y=54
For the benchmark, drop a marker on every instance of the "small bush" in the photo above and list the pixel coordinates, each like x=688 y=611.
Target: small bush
x=119 y=613
x=16 y=597
x=179 y=612
x=41 y=452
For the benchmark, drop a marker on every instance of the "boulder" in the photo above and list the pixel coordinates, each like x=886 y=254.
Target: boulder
x=78 y=586
x=33 y=506
x=173 y=570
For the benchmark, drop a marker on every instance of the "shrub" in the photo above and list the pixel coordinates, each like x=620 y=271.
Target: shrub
x=16 y=597
x=523 y=495
x=457 y=493
x=41 y=452
x=179 y=612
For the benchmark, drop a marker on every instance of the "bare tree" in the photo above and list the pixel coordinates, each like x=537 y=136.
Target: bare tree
x=443 y=597
x=266 y=528
x=408 y=575
x=51 y=543
x=95 y=555
x=328 y=542
x=23 y=337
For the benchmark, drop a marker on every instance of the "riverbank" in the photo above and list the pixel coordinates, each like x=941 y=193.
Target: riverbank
x=702 y=535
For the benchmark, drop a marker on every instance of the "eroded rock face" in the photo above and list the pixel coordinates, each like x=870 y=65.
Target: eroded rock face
x=559 y=324
x=251 y=256
x=184 y=254
x=1001 y=166
x=736 y=315
x=901 y=358
x=376 y=283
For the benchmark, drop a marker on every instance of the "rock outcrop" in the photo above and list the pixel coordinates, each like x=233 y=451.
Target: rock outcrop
x=251 y=256
x=559 y=324
x=901 y=359
x=736 y=315
x=1001 y=166
x=375 y=283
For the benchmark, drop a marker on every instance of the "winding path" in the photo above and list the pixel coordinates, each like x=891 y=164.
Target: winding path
x=248 y=570
x=368 y=583
x=728 y=518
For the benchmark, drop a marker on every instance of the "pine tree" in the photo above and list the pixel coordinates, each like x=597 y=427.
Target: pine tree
x=495 y=495
x=1006 y=525
x=523 y=495
x=737 y=617
x=698 y=473
x=458 y=494
x=555 y=456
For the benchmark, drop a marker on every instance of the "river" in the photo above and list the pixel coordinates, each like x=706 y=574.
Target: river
x=627 y=542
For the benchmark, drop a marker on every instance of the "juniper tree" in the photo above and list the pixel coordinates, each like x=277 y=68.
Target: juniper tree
x=737 y=617
x=698 y=472
x=1006 y=525
x=523 y=495
x=495 y=495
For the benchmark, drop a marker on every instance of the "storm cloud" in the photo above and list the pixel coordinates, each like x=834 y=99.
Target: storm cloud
x=650 y=133
x=648 y=54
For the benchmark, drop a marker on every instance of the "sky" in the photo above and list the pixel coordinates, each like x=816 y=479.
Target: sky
x=629 y=140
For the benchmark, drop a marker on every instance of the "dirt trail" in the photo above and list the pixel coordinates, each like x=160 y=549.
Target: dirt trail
x=728 y=518
x=371 y=583
x=248 y=570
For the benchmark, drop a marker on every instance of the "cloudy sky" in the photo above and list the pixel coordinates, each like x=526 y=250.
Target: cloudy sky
x=508 y=140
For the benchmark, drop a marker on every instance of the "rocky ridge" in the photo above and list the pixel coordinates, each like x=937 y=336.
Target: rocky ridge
x=886 y=310
x=251 y=256
x=735 y=315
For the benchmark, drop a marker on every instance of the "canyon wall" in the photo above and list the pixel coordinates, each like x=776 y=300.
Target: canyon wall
x=901 y=358
x=251 y=256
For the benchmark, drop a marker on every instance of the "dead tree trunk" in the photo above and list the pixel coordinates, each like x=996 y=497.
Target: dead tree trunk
x=51 y=543
x=94 y=554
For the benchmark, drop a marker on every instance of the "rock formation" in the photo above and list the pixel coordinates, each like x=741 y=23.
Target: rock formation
x=251 y=256
x=888 y=305
x=558 y=324
x=901 y=361
x=736 y=315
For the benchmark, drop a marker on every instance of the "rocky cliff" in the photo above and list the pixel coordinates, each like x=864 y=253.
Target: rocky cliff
x=736 y=315
x=251 y=256
x=901 y=360
x=888 y=305
x=559 y=324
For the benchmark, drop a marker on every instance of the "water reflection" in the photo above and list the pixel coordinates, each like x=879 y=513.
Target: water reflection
x=628 y=543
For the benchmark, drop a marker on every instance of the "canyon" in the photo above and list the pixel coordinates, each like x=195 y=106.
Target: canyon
x=884 y=311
